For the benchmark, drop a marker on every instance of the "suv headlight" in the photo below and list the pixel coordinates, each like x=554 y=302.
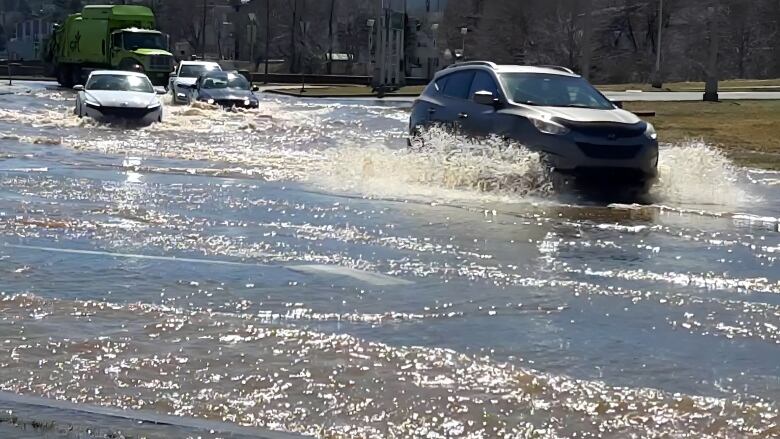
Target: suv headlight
x=549 y=127
x=153 y=105
x=650 y=132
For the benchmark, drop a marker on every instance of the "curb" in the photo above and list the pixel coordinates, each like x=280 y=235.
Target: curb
x=328 y=96
x=98 y=415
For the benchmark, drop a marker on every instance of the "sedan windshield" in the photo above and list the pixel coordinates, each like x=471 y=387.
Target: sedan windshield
x=143 y=40
x=553 y=91
x=120 y=83
x=195 y=70
x=227 y=80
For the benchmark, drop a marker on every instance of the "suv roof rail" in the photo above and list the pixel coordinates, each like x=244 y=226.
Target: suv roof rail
x=492 y=65
x=561 y=68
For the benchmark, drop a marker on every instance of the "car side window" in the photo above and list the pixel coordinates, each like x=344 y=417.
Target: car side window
x=483 y=81
x=458 y=84
x=440 y=83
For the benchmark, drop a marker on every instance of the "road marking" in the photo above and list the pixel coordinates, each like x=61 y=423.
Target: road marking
x=132 y=256
x=361 y=275
x=368 y=277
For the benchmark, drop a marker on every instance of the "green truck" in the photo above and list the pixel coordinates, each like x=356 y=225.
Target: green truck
x=116 y=37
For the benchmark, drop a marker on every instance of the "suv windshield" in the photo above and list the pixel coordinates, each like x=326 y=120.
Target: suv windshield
x=195 y=70
x=225 y=80
x=551 y=90
x=120 y=83
x=143 y=40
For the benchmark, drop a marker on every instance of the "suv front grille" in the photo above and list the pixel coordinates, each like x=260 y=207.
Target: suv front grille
x=606 y=130
x=610 y=152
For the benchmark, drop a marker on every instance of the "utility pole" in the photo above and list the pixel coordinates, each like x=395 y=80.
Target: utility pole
x=658 y=80
x=330 y=37
x=267 y=35
x=369 y=63
x=711 y=86
x=587 y=48
x=304 y=30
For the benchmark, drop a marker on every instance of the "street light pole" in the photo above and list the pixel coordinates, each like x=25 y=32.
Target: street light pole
x=657 y=81
x=463 y=31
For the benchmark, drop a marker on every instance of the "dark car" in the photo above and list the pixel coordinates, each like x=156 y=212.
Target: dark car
x=228 y=89
x=547 y=109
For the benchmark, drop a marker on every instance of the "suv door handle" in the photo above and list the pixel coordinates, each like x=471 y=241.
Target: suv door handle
x=463 y=115
x=431 y=110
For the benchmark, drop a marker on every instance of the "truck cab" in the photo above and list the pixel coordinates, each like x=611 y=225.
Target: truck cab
x=119 y=37
x=142 y=50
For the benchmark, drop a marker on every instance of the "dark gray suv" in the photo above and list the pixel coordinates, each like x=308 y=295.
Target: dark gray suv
x=548 y=109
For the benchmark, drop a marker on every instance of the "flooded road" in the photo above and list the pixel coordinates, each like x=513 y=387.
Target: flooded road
x=296 y=268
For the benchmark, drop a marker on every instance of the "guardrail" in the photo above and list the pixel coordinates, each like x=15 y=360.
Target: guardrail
x=22 y=68
x=37 y=69
x=295 y=78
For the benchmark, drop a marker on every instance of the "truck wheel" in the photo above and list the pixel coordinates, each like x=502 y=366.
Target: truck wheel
x=64 y=76
x=75 y=75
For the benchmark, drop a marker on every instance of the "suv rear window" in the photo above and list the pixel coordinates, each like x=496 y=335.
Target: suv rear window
x=458 y=84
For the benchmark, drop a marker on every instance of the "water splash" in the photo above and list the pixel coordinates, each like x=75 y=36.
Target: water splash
x=699 y=174
x=447 y=167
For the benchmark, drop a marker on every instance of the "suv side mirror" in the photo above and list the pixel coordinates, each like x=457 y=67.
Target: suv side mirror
x=78 y=87
x=255 y=88
x=484 y=97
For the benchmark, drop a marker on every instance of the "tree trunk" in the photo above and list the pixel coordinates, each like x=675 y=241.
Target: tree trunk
x=587 y=44
x=203 y=31
x=267 y=36
x=711 y=87
x=330 y=37
x=293 y=33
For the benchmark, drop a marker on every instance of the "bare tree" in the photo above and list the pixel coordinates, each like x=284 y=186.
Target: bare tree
x=330 y=36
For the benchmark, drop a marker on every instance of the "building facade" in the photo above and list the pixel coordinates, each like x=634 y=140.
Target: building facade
x=26 y=42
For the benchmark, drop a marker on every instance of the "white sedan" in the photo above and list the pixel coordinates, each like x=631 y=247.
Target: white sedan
x=111 y=95
x=185 y=76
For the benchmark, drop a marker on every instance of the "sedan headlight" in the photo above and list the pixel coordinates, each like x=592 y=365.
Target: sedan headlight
x=247 y=102
x=153 y=105
x=549 y=127
x=650 y=132
x=91 y=104
x=210 y=101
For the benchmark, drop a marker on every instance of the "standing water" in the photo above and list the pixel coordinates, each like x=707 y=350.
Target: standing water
x=296 y=268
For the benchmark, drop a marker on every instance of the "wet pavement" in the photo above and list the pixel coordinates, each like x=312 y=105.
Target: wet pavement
x=296 y=268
